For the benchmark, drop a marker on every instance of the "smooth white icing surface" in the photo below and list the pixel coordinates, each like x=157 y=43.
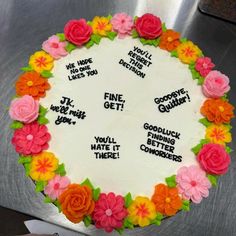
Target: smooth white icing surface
x=134 y=171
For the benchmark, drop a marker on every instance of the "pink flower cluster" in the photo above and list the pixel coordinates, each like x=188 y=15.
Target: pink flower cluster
x=204 y=65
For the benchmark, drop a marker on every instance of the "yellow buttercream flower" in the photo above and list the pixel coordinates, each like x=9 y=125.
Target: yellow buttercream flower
x=142 y=211
x=43 y=166
x=40 y=61
x=101 y=25
x=188 y=52
x=218 y=134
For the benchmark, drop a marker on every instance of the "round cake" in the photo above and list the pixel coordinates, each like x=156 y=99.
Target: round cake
x=121 y=122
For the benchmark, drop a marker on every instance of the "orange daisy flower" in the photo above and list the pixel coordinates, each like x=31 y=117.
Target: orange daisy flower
x=169 y=40
x=217 y=111
x=31 y=83
x=166 y=199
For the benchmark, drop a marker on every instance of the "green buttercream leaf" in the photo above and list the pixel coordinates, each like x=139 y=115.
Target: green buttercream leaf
x=16 y=125
x=96 y=193
x=135 y=18
x=185 y=205
x=40 y=186
x=27 y=168
x=24 y=159
x=157 y=220
x=87 y=221
x=87 y=183
x=27 y=68
x=61 y=170
x=183 y=40
x=47 y=199
x=120 y=231
x=42 y=120
x=154 y=42
x=128 y=224
x=70 y=47
x=171 y=181
x=46 y=74
x=164 y=29
x=58 y=205
x=42 y=110
x=225 y=97
x=134 y=34
x=228 y=149
x=109 y=17
x=213 y=179
x=200 y=81
x=111 y=35
x=205 y=122
x=128 y=200
x=96 y=38
x=89 y=23
x=198 y=147
x=61 y=36
x=174 y=53
x=89 y=44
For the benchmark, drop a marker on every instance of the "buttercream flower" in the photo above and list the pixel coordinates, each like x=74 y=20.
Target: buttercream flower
x=217 y=110
x=169 y=40
x=218 y=134
x=31 y=139
x=41 y=61
x=101 y=25
x=56 y=186
x=24 y=109
x=214 y=159
x=77 y=202
x=109 y=212
x=148 y=26
x=78 y=31
x=192 y=183
x=188 y=52
x=43 y=166
x=122 y=24
x=142 y=211
x=166 y=200
x=204 y=65
x=54 y=47
x=215 y=84
x=31 y=83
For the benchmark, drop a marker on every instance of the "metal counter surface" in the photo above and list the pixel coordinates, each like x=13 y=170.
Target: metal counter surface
x=26 y=24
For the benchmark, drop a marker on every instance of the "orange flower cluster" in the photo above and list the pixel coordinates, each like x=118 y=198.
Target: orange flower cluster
x=169 y=40
x=31 y=83
x=217 y=111
x=166 y=199
x=77 y=202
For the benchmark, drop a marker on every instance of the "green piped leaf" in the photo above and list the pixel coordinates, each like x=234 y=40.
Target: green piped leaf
x=16 y=125
x=200 y=81
x=154 y=42
x=61 y=170
x=128 y=200
x=40 y=186
x=228 y=149
x=171 y=181
x=205 y=122
x=174 y=53
x=96 y=38
x=87 y=183
x=111 y=35
x=87 y=221
x=42 y=120
x=96 y=193
x=120 y=231
x=225 y=97
x=42 y=110
x=109 y=17
x=89 y=44
x=183 y=40
x=164 y=29
x=58 y=205
x=47 y=199
x=128 y=224
x=24 y=159
x=46 y=74
x=185 y=205
x=70 y=47
x=135 y=18
x=134 y=34
x=157 y=220
x=198 y=147
x=61 y=36
x=213 y=179
x=27 y=168
x=27 y=68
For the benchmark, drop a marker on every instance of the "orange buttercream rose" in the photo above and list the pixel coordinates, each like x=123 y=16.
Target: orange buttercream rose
x=77 y=202
x=166 y=199
x=169 y=40
x=217 y=111
x=31 y=83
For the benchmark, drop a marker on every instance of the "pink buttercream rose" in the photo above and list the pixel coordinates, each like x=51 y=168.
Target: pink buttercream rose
x=109 y=212
x=122 y=24
x=204 y=65
x=56 y=186
x=215 y=84
x=31 y=139
x=192 y=183
x=214 y=159
x=78 y=31
x=148 y=26
x=24 y=109
x=54 y=47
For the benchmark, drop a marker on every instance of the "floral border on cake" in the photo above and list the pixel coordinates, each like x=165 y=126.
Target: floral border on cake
x=83 y=201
